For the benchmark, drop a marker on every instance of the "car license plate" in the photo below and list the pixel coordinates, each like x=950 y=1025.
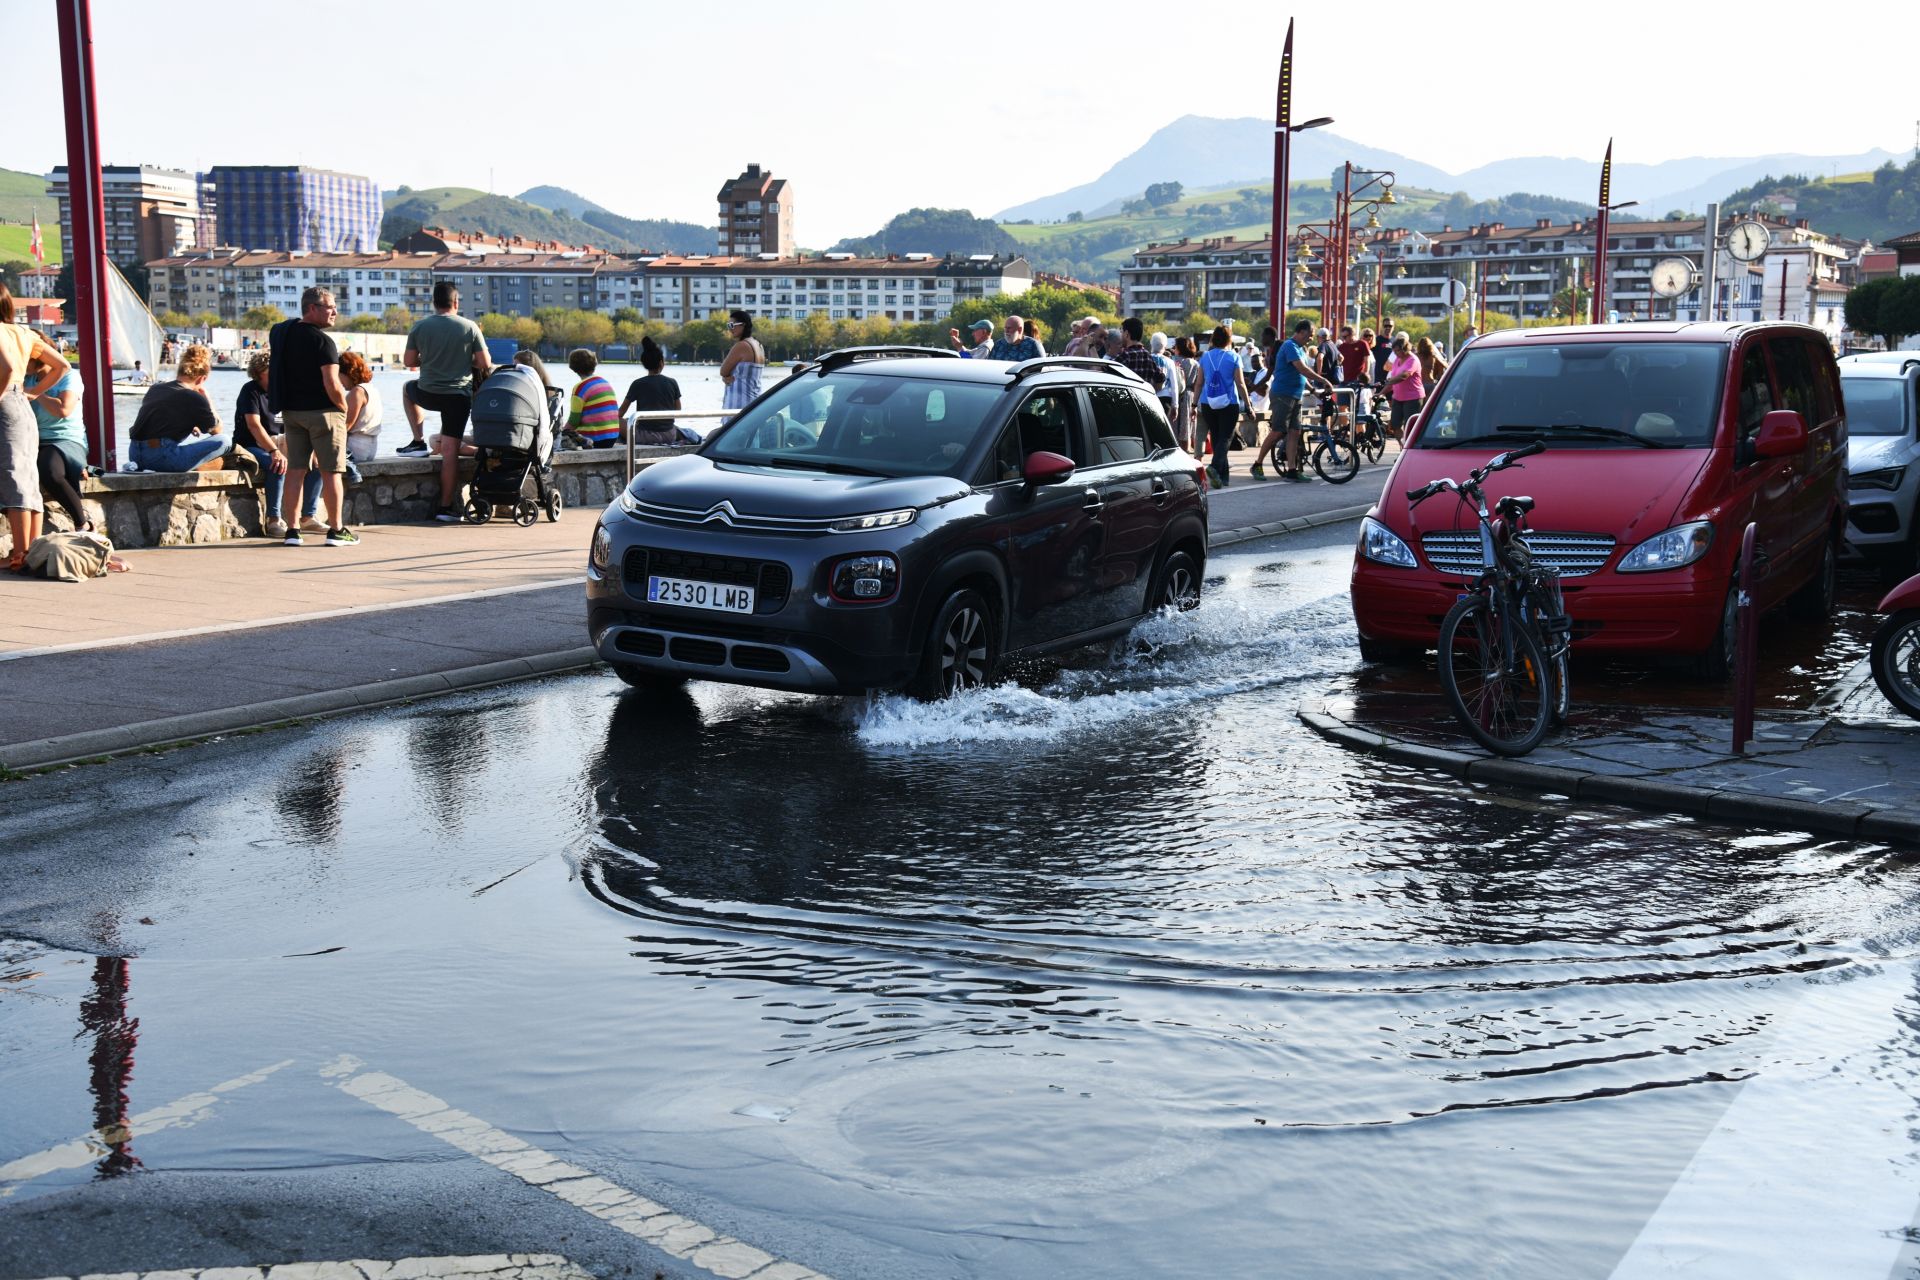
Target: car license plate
x=700 y=595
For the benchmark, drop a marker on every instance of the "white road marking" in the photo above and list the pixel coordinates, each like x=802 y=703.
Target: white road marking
x=83 y=1151
x=346 y=611
x=495 y=1266
x=1810 y=1172
x=637 y=1216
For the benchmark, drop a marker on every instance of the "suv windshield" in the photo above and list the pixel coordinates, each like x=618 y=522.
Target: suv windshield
x=1875 y=406
x=1615 y=395
x=859 y=424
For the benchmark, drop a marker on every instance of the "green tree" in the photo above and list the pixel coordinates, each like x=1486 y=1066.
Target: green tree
x=1161 y=194
x=365 y=324
x=10 y=272
x=628 y=333
x=262 y=317
x=525 y=331
x=1865 y=302
x=627 y=315
x=1076 y=216
x=205 y=319
x=173 y=321
x=396 y=319
x=496 y=324
x=591 y=329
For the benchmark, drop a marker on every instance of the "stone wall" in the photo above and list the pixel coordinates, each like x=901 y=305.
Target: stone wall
x=170 y=509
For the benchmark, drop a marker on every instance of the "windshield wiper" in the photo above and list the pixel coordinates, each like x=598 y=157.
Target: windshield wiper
x=1574 y=430
x=838 y=468
x=1498 y=433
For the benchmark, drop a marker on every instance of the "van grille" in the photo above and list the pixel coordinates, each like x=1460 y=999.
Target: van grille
x=1457 y=551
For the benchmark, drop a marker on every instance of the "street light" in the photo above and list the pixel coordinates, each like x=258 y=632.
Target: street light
x=1283 y=130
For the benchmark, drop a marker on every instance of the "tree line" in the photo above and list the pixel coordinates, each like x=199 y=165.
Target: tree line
x=1888 y=309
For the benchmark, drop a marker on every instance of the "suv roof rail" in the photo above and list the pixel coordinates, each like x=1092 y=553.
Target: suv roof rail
x=849 y=355
x=1047 y=364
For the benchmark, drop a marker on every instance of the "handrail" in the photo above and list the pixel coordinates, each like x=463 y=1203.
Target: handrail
x=668 y=415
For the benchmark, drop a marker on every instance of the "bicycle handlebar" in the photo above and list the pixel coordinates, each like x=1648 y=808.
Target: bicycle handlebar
x=1511 y=458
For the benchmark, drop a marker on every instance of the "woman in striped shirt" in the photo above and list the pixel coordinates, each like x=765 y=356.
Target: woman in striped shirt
x=594 y=414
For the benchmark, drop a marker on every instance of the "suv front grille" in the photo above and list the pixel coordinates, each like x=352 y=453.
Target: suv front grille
x=771 y=580
x=660 y=513
x=1457 y=551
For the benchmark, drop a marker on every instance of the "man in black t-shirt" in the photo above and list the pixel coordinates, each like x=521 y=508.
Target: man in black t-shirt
x=303 y=381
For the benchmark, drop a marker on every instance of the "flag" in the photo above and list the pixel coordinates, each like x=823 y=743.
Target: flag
x=33 y=245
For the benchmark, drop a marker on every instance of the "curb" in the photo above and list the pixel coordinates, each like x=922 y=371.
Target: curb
x=1838 y=818
x=1227 y=537
x=47 y=753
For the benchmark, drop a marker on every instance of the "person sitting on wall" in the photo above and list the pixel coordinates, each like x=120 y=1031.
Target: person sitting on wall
x=177 y=428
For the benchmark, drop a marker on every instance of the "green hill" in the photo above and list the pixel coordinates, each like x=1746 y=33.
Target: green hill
x=22 y=195
x=15 y=239
x=1876 y=206
x=465 y=209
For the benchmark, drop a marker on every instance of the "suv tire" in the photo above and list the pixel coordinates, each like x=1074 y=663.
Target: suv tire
x=961 y=652
x=1177 y=585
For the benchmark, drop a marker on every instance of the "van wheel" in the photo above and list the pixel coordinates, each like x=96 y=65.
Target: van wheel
x=1815 y=600
x=1715 y=662
x=961 y=651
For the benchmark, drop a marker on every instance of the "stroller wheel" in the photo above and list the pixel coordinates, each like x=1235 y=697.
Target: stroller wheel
x=478 y=511
x=554 y=504
x=526 y=512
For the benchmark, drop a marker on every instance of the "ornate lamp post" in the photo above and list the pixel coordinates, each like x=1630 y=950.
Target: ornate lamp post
x=1283 y=131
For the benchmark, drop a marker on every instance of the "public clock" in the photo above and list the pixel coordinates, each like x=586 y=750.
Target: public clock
x=1748 y=240
x=1672 y=277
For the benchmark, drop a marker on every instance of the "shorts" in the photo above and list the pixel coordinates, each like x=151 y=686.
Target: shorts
x=319 y=433
x=454 y=407
x=1286 y=414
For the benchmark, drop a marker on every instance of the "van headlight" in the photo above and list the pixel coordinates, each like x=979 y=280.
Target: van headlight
x=1675 y=549
x=1383 y=546
x=1889 y=478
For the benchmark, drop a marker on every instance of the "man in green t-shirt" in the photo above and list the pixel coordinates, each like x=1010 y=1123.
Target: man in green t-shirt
x=451 y=355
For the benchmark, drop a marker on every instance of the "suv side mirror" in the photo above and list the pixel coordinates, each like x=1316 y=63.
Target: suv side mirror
x=1046 y=468
x=1782 y=433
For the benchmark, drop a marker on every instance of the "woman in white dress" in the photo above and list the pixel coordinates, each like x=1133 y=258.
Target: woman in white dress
x=746 y=361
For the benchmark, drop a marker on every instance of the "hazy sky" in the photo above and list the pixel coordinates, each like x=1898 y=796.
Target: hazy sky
x=871 y=108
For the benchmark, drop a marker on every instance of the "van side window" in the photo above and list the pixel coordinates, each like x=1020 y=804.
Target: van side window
x=1795 y=372
x=1756 y=396
x=1826 y=396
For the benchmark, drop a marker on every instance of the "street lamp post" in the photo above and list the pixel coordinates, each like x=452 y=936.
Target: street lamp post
x=1283 y=131
x=1604 y=219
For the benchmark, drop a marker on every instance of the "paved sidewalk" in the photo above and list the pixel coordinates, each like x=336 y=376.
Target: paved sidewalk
x=1814 y=771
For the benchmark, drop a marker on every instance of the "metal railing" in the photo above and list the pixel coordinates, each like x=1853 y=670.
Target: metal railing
x=664 y=415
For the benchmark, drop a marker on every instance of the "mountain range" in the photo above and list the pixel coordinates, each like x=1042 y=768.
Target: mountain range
x=1206 y=152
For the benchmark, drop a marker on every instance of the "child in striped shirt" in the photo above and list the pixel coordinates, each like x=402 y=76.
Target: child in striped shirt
x=594 y=413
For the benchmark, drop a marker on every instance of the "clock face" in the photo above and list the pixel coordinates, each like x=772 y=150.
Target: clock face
x=1748 y=240
x=1672 y=277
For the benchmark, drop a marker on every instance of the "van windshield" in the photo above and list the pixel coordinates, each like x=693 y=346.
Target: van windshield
x=1875 y=406
x=858 y=424
x=1610 y=395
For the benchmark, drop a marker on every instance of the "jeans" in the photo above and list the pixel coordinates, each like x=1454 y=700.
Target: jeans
x=180 y=455
x=275 y=484
x=1220 y=425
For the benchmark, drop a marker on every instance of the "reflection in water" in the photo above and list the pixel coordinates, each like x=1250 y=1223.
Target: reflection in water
x=103 y=1014
x=442 y=745
x=312 y=795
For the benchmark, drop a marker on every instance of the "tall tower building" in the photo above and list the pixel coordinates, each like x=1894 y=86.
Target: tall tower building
x=150 y=212
x=284 y=208
x=756 y=215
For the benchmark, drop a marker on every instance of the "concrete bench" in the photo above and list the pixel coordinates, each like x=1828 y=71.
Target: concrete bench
x=171 y=508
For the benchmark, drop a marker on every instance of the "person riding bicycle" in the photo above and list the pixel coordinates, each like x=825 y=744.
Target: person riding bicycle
x=1291 y=376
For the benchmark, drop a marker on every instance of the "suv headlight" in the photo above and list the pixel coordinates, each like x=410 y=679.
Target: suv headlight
x=600 y=553
x=1676 y=548
x=629 y=505
x=1889 y=478
x=1383 y=546
x=875 y=520
x=864 y=579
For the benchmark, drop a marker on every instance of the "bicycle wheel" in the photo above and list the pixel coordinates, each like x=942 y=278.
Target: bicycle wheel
x=1336 y=459
x=1372 y=445
x=1501 y=701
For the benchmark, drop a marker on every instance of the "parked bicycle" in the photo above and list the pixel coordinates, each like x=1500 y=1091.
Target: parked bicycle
x=1503 y=646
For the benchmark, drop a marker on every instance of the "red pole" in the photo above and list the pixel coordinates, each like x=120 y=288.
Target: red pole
x=1282 y=160
x=1783 y=289
x=1746 y=638
x=89 y=229
x=1346 y=239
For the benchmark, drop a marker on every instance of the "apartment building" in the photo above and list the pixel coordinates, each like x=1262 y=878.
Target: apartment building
x=39 y=282
x=150 y=212
x=756 y=215
x=909 y=287
x=230 y=282
x=289 y=208
x=518 y=284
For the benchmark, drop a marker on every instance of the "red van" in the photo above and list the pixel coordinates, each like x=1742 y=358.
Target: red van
x=1663 y=442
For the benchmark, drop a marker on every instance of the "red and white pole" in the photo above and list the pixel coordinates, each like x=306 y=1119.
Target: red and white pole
x=1282 y=159
x=85 y=201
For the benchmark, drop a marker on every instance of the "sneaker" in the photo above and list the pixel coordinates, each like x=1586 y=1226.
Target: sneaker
x=293 y=539
x=342 y=537
x=276 y=528
x=1257 y=473
x=1219 y=477
x=446 y=515
x=414 y=449
x=309 y=524
x=1301 y=476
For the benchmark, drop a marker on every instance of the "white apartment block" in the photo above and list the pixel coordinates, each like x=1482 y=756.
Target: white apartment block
x=230 y=283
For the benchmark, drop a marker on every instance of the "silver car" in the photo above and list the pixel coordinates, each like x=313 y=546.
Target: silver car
x=1882 y=396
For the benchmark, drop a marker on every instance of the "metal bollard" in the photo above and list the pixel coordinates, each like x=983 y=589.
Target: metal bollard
x=1746 y=641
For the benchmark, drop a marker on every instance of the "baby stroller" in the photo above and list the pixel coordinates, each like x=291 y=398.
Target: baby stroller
x=514 y=422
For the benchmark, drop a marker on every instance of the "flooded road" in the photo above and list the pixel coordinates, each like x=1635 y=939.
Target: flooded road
x=1113 y=970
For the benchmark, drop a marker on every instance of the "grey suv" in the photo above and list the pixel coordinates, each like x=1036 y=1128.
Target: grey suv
x=900 y=518
x=1882 y=393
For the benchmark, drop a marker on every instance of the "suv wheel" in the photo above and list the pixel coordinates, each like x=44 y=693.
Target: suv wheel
x=961 y=651
x=1179 y=583
x=644 y=678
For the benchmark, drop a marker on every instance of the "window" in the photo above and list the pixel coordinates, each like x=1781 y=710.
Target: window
x=1756 y=394
x=1116 y=420
x=1793 y=372
x=1825 y=377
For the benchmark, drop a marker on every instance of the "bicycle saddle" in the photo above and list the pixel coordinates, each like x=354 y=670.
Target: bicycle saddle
x=1517 y=505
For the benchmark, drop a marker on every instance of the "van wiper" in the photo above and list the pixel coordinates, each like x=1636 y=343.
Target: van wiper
x=838 y=468
x=1574 y=430
x=1498 y=433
